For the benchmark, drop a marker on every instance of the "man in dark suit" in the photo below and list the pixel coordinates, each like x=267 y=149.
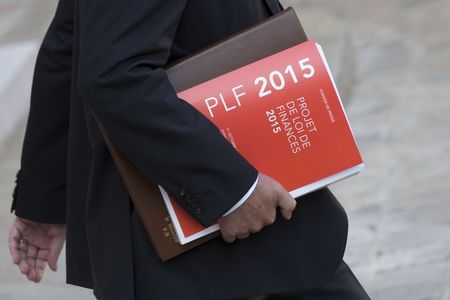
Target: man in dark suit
x=106 y=58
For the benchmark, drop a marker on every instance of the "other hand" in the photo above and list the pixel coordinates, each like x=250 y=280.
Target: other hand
x=33 y=245
x=258 y=211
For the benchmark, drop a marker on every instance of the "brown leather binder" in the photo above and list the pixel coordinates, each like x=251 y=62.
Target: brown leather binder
x=268 y=37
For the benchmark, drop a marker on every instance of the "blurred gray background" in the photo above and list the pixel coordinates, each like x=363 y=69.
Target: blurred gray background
x=391 y=60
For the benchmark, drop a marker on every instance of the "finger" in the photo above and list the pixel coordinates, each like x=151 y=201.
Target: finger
x=39 y=275
x=31 y=274
x=256 y=226
x=13 y=241
x=55 y=251
x=42 y=254
x=22 y=253
x=35 y=274
x=228 y=238
x=242 y=236
x=31 y=262
x=41 y=264
x=255 y=229
x=40 y=269
x=24 y=267
x=270 y=218
x=15 y=254
x=32 y=251
x=37 y=266
x=287 y=204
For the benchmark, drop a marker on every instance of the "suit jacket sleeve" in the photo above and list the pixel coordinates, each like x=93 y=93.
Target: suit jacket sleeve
x=40 y=192
x=125 y=45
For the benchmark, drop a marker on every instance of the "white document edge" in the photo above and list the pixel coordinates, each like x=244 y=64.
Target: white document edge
x=295 y=193
x=327 y=181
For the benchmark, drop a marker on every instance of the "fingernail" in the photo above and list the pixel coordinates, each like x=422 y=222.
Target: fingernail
x=290 y=216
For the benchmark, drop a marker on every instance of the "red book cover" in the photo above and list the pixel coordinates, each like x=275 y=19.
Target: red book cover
x=283 y=114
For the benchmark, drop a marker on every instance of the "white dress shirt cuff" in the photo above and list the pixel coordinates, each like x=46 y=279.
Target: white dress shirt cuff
x=243 y=199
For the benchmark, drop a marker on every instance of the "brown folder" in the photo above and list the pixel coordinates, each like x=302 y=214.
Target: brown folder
x=268 y=37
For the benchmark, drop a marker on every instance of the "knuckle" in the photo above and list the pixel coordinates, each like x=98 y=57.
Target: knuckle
x=228 y=229
x=231 y=233
x=223 y=230
x=292 y=207
x=231 y=239
x=227 y=238
x=242 y=231
x=255 y=230
x=267 y=221
x=238 y=233
x=257 y=227
x=272 y=218
x=226 y=234
x=243 y=236
x=278 y=188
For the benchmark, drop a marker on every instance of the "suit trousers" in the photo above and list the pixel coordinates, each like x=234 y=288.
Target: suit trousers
x=342 y=286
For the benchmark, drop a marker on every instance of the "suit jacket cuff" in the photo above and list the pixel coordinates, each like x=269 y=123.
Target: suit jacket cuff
x=39 y=204
x=243 y=199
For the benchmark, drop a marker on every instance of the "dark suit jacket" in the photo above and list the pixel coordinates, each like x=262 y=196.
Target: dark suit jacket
x=107 y=57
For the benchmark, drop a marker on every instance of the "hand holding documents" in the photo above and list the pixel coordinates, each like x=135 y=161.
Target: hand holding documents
x=258 y=211
x=284 y=115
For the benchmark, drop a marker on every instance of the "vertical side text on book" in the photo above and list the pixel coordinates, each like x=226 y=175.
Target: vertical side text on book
x=294 y=119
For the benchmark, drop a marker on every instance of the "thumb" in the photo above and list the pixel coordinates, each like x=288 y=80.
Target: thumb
x=287 y=204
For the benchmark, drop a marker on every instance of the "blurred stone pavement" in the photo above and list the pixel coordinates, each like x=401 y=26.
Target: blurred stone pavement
x=392 y=64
